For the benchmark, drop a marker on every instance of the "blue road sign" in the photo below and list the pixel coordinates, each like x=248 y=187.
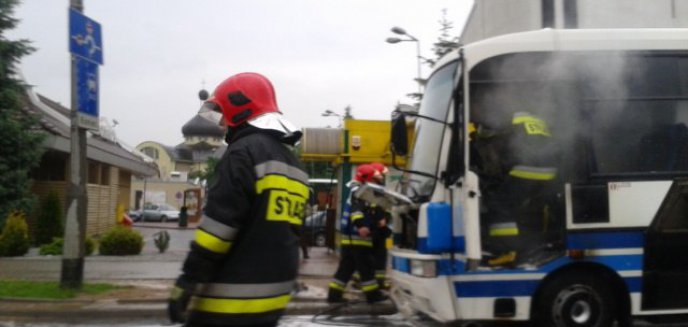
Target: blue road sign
x=87 y=93
x=85 y=39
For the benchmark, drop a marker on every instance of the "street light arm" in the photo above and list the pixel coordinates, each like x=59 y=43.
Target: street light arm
x=413 y=38
x=401 y=31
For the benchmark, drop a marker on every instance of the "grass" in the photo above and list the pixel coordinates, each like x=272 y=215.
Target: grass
x=48 y=290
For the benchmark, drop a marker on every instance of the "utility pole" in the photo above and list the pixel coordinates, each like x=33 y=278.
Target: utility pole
x=77 y=210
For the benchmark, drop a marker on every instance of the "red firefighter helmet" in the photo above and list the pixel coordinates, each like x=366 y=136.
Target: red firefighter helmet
x=365 y=173
x=380 y=168
x=243 y=97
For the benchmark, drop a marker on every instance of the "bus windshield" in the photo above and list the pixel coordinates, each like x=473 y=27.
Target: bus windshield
x=426 y=152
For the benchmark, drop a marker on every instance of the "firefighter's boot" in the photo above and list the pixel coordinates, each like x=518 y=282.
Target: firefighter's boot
x=335 y=296
x=505 y=259
x=375 y=296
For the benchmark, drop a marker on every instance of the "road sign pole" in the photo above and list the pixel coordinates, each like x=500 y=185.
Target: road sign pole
x=75 y=228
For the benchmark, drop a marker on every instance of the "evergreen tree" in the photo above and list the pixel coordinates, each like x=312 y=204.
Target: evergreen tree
x=445 y=42
x=347 y=113
x=20 y=141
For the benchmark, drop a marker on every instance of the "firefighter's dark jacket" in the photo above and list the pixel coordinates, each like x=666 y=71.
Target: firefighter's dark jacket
x=244 y=258
x=357 y=214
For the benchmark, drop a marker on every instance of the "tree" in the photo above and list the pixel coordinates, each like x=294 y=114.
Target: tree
x=20 y=140
x=50 y=219
x=347 y=113
x=208 y=173
x=445 y=43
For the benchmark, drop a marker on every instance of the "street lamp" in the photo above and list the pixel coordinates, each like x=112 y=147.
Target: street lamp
x=410 y=38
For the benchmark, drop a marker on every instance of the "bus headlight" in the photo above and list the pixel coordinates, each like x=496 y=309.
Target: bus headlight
x=423 y=268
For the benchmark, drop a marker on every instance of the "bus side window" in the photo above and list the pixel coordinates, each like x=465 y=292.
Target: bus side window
x=664 y=149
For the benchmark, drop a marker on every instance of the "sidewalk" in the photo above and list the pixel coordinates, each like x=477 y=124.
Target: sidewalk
x=149 y=278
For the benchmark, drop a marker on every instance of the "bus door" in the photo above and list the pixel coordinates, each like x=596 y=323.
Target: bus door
x=665 y=271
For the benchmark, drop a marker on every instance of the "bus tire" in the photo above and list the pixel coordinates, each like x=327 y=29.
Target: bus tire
x=575 y=301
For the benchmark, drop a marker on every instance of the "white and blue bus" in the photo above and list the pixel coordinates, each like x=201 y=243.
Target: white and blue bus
x=614 y=241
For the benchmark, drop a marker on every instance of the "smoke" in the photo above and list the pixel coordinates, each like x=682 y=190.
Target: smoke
x=579 y=95
x=609 y=112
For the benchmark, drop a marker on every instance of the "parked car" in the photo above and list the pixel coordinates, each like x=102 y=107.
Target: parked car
x=135 y=215
x=159 y=212
x=314 y=229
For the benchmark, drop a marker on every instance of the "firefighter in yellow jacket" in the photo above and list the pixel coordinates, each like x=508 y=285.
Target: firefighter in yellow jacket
x=244 y=259
x=520 y=202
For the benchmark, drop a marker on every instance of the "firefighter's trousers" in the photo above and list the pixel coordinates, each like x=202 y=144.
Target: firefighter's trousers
x=380 y=260
x=355 y=258
x=518 y=210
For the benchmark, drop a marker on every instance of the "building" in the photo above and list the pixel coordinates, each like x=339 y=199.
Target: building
x=179 y=166
x=110 y=166
x=358 y=142
x=491 y=18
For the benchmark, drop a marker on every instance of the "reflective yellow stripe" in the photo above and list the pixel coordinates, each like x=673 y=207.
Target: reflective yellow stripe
x=281 y=182
x=357 y=242
x=533 y=126
x=177 y=292
x=356 y=216
x=368 y=288
x=212 y=242
x=509 y=231
x=336 y=286
x=284 y=206
x=240 y=305
x=538 y=176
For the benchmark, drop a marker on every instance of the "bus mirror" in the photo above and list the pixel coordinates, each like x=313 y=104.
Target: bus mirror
x=399 y=134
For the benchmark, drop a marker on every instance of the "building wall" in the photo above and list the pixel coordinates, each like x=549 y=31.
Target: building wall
x=124 y=190
x=182 y=166
x=491 y=18
x=632 y=13
x=496 y=17
x=102 y=199
x=164 y=161
x=217 y=141
x=160 y=191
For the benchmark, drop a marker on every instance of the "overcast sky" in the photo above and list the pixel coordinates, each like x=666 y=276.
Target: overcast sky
x=319 y=54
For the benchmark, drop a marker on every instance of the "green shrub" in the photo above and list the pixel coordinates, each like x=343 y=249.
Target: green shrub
x=14 y=239
x=55 y=248
x=50 y=217
x=121 y=241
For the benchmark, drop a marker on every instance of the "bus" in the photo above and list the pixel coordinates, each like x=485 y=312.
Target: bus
x=612 y=240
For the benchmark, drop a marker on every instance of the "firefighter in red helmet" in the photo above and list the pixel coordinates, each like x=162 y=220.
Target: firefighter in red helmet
x=357 y=227
x=244 y=259
x=382 y=233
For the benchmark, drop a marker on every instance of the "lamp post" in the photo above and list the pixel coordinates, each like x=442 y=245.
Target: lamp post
x=410 y=38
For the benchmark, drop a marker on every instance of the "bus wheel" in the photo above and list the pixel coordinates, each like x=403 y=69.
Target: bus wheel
x=575 y=301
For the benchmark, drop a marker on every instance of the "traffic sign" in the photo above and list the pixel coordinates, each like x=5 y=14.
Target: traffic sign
x=87 y=93
x=85 y=39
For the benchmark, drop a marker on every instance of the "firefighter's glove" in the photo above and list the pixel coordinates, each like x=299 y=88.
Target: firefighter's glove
x=179 y=300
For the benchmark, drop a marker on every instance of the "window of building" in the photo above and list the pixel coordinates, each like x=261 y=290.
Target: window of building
x=151 y=152
x=105 y=174
x=93 y=173
x=53 y=167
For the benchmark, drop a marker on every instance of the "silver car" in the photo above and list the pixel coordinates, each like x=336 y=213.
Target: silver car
x=159 y=212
